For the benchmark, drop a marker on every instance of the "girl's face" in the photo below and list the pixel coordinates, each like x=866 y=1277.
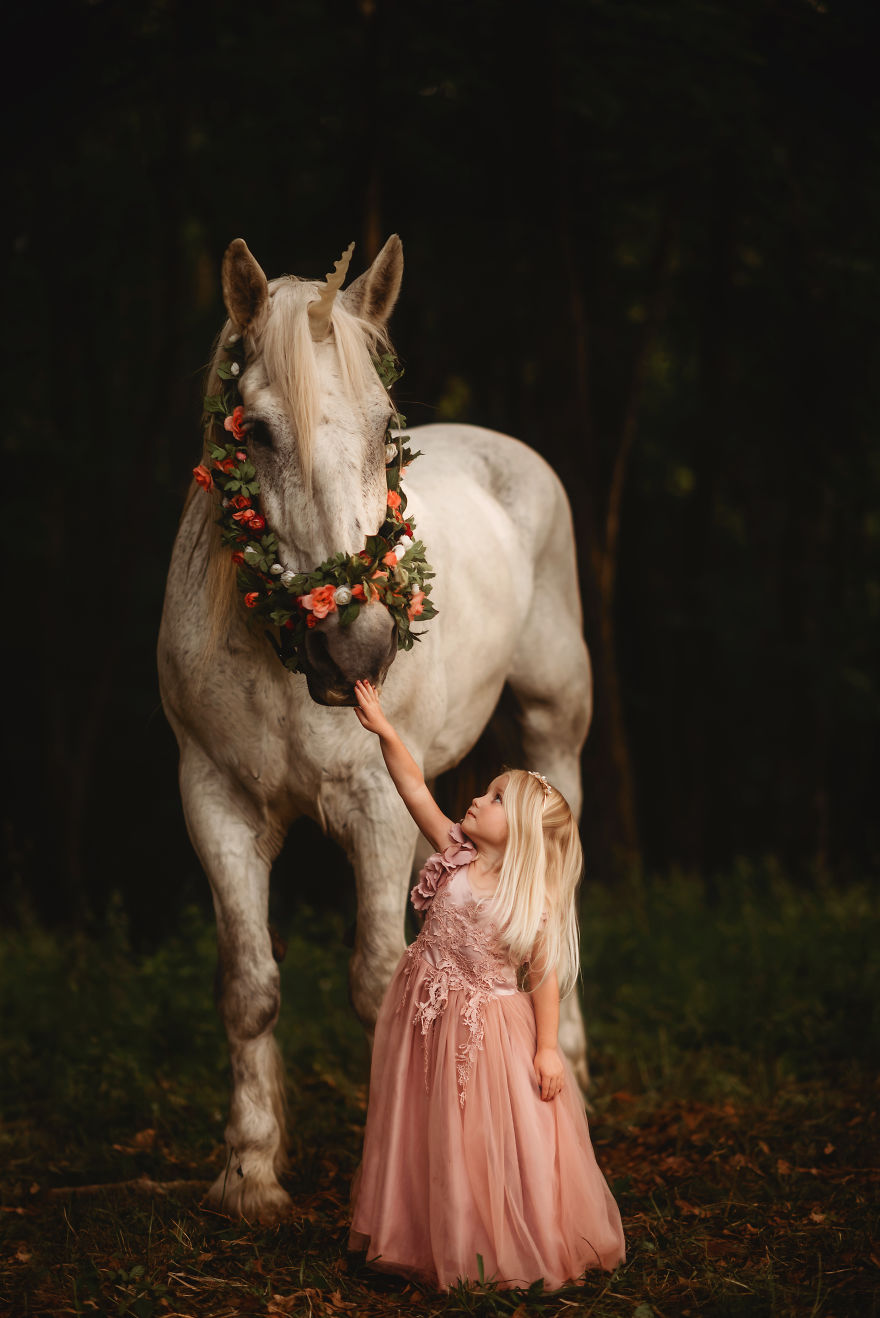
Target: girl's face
x=485 y=822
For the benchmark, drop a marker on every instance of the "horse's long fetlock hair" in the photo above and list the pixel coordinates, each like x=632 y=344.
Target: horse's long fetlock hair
x=542 y=865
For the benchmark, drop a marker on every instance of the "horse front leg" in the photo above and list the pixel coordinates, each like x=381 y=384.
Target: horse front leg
x=236 y=847
x=370 y=821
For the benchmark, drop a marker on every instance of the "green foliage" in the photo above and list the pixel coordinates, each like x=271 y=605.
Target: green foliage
x=738 y=987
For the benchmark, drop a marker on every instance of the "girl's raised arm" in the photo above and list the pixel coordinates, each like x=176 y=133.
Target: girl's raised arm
x=405 y=773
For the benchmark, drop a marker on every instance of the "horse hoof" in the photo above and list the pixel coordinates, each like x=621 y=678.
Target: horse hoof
x=251 y=1197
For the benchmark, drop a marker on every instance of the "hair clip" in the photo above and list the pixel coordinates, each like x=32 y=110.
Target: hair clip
x=541 y=779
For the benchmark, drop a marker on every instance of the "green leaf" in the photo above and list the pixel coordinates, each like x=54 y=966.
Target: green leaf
x=388 y=369
x=348 y=614
x=215 y=403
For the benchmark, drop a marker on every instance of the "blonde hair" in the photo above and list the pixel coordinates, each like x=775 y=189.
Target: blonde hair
x=542 y=865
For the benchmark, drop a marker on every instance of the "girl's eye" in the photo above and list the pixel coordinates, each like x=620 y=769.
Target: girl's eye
x=260 y=433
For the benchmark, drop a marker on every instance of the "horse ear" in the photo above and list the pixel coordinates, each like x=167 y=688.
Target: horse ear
x=374 y=293
x=245 y=288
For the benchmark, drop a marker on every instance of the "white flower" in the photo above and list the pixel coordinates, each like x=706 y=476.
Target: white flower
x=287 y=578
x=390 y=453
x=276 y=569
x=234 y=368
x=233 y=338
x=224 y=503
x=399 y=551
x=406 y=541
x=342 y=595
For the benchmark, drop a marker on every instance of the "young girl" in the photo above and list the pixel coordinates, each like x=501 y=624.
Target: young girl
x=477 y=1155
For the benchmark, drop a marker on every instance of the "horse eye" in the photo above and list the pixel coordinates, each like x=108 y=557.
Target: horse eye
x=260 y=433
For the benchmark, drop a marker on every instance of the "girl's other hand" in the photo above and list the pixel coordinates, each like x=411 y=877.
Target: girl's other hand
x=368 y=710
x=549 y=1071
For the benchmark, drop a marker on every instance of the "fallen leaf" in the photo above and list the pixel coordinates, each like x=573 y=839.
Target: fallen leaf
x=816 y=1216
x=783 y=1168
x=829 y=1148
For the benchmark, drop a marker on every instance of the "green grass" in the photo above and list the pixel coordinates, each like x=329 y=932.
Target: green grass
x=733 y=1032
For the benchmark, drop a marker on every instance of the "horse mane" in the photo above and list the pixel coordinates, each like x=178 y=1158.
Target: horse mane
x=287 y=352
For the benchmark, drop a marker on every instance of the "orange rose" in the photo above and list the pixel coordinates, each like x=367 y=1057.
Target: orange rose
x=416 y=604
x=319 y=601
x=251 y=598
x=257 y=523
x=203 y=476
x=238 y=558
x=235 y=423
x=382 y=577
x=226 y=465
x=390 y=558
x=240 y=501
x=246 y=515
x=393 y=500
x=357 y=593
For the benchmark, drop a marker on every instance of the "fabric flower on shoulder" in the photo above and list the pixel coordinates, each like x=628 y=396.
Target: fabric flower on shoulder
x=437 y=868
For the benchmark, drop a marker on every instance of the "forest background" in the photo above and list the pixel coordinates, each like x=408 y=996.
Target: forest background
x=642 y=238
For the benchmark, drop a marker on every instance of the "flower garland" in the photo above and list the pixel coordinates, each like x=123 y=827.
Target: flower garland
x=391 y=568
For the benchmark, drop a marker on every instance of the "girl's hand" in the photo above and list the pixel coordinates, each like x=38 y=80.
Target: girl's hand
x=369 y=711
x=549 y=1071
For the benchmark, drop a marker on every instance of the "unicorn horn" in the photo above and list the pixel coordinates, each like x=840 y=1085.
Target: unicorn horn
x=320 y=310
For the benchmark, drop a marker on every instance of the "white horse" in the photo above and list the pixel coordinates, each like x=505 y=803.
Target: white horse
x=260 y=746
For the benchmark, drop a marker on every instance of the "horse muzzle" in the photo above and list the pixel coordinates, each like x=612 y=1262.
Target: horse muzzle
x=336 y=657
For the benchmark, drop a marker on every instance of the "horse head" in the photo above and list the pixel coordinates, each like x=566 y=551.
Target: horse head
x=315 y=417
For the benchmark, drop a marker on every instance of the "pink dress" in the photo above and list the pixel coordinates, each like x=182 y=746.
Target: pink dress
x=462 y=1158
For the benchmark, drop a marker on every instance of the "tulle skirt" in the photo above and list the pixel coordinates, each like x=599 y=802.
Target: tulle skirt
x=504 y=1178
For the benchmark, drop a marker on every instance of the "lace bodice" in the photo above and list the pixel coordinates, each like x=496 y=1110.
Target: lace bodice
x=460 y=943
